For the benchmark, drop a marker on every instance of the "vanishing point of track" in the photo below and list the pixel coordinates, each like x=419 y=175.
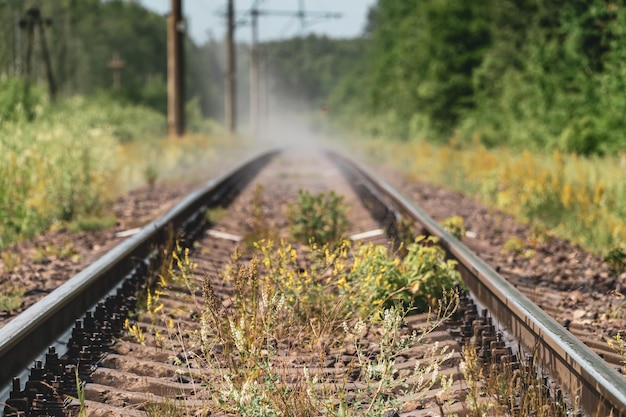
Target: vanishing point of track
x=111 y=364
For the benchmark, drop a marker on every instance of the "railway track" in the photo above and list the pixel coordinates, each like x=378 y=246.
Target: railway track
x=133 y=374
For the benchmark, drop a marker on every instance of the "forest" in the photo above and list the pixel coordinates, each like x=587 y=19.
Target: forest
x=531 y=74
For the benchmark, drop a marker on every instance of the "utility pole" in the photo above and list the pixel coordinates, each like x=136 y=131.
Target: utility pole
x=255 y=96
x=116 y=64
x=302 y=14
x=231 y=97
x=46 y=57
x=29 y=22
x=175 y=71
x=254 y=74
x=17 y=46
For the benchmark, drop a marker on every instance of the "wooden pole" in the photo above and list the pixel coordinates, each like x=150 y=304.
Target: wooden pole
x=46 y=58
x=230 y=99
x=254 y=76
x=29 y=25
x=175 y=71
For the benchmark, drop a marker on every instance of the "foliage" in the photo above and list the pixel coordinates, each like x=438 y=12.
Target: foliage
x=135 y=331
x=259 y=228
x=375 y=280
x=319 y=218
x=513 y=245
x=171 y=407
x=578 y=198
x=76 y=155
x=454 y=226
x=417 y=281
x=10 y=298
x=616 y=258
x=420 y=65
x=17 y=102
x=80 y=395
x=10 y=260
x=428 y=274
x=56 y=169
x=618 y=345
x=532 y=75
x=215 y=214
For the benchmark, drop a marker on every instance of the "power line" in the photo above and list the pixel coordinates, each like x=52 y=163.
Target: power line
x=252 y=16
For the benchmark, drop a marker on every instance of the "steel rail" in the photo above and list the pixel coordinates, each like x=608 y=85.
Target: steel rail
x=26 y=336
x=600 y=389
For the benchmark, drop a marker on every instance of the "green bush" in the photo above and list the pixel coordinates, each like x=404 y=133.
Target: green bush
x=417 y=281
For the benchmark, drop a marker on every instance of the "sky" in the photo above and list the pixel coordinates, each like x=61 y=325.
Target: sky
x=205 y=18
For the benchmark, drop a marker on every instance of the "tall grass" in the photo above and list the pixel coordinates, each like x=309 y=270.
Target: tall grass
x=54 y=169
x=582 y=199
x=73 y=158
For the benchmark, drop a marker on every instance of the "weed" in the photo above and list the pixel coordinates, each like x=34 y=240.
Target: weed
x=150 y=175
x=473 y=372
x=92 y=223
x=11 y=298
x=538 y=234
x=454 y=226
x=61 y=251
x=135 y=331
x=402 y=236
x=616 y=258
x=417 y=281
x=215 y=214
x=497 y=387
x=184 y=269
x=429 y=274
x=37 y=190
x=513 y=245
x=80 y=390
x=153 y=308
x=319 y=218
x=11 y=260
x=618 y=345
x=308 y=302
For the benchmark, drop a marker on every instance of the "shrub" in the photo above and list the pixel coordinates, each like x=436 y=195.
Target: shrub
x=319 y=218
x=417 y=281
